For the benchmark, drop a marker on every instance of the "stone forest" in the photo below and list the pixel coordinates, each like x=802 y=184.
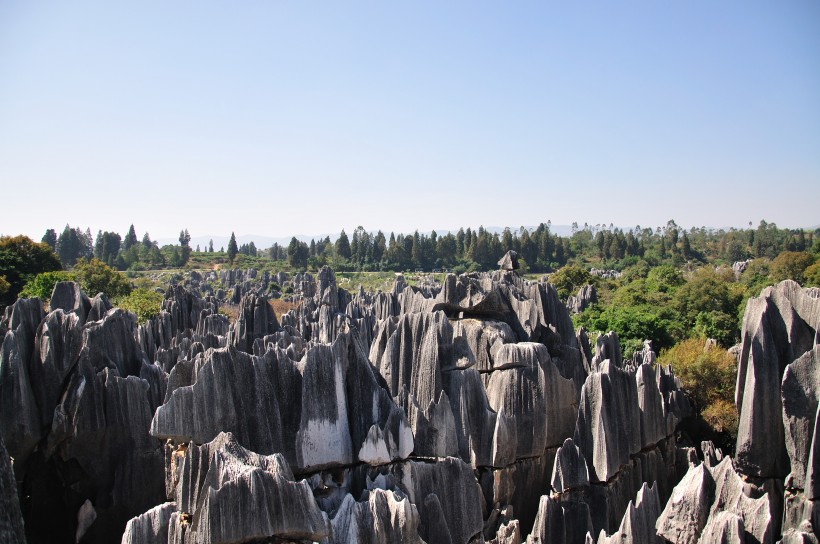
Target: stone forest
x=462 y=410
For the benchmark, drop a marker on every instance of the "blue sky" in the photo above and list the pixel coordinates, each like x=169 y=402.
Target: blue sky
x=277 y=118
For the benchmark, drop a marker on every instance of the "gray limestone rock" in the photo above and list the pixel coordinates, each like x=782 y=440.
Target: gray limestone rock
x=800 y=389
x=607 y=430
x=68 y=296
x=587 y=295
x=318 y=412
x=383 y=516
x=100 y=305
x=549 y=523
x=778 y=327
x=607 y=347
x=812 y=480
x=459 y=496
x=112 y=343
x=477 y=341
x=638 y=524
x=256 y=320
x=519 y=485
x=650 y=403
x=57 y=350
x=235 y=495
x=731 y=495
x=687 y=511
x=711 y=455
x=150 y=527
x=509 y=261
x=11 y=520
x=723 y=528
x=570 y=469
x=20 y=420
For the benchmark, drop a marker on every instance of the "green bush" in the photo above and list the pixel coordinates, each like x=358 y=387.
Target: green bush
x=97 y=277
x=812 y=275
x=790 y=265
x=569 y=279
x=708 y=374
x=142 y=302
x=42 y=285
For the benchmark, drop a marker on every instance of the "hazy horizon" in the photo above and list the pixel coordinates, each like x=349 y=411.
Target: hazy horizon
x=274 y=119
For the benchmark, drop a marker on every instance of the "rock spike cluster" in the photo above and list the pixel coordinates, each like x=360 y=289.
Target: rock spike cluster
x=463 y=411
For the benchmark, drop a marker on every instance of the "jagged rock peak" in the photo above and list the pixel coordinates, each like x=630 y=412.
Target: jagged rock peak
x=509 y=261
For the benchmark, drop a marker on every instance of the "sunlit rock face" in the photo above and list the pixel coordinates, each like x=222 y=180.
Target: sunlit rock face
x=460 y=411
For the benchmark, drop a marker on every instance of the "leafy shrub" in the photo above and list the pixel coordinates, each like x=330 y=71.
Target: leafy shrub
x=812 y=275
x=632 y=324
x=145 y=303
x=790 y=265
x=97 y=277
x=42 y=285
x=569 y=279
x=708 y=374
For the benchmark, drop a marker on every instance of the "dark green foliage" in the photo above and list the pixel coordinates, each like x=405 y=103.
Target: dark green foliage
x=298 y=254
x=633 y=324
x=708 y=306
x=107 y=247
x=74 y=244
x=185 y=247
x=233 y=250
x=343 y=246
x=21 y=260
x=50 y=238
x=130 y=239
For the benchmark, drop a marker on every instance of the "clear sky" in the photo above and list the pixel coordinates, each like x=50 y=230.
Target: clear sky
x=277 y=118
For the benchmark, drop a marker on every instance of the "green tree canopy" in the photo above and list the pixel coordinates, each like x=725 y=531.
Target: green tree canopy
x=233 y=250
x=790 y=265
x=21 y=259
x=343 y=246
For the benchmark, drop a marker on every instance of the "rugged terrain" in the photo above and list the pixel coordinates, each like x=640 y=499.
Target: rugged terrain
x=454 y=412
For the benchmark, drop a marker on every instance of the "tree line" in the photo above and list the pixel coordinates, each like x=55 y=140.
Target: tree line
x=540 y=249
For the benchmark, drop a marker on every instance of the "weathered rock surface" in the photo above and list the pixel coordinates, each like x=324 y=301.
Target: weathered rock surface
x=587 y=296
x=800 y=389
x=441 y=412
x=226 y=493
x=382 y=517
x=11 y=519
x=778 y=327
x=326 y=409
x=701 y=502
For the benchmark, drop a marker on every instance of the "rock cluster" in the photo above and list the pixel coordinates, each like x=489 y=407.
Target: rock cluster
x=463 y=411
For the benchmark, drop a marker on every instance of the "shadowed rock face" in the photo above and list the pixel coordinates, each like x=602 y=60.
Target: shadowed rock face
x=11 y=519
